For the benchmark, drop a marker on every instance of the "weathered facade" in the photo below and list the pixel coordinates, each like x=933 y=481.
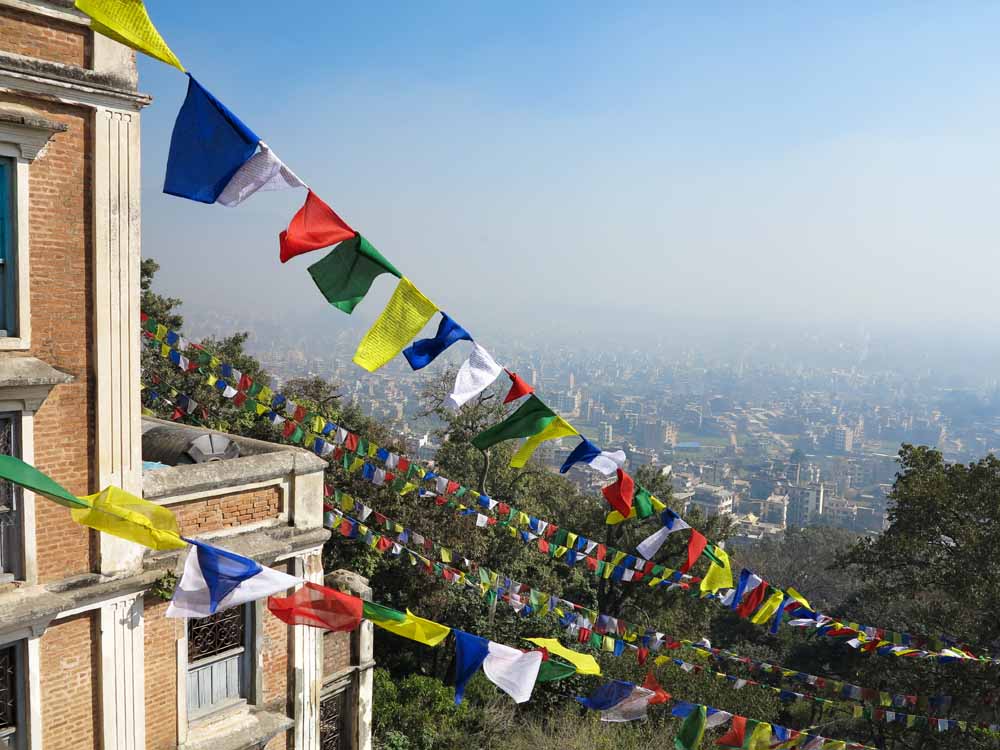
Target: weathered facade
x=87 y=657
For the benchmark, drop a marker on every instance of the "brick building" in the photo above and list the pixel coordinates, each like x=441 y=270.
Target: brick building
x=87 y=658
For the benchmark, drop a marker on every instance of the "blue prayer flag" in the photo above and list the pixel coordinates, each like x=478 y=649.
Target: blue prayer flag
x=608 y=695
x=421 y=353
x=585 y=452
x=208 y=146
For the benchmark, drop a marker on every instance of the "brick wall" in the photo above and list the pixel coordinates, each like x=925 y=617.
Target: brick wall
x=225 y=511
x=62 y=330
x=70 y=685
x=277 y=649
x=160 y=667
x=44 y=38
x=336 y=652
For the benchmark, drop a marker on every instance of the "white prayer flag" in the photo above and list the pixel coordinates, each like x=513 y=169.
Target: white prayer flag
x=263 y=171
x=512 y=671
x=474 y=376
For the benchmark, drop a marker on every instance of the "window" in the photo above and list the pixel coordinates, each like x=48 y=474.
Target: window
x=10 y=695
x=10 y=501
x=8 y=268
x=334 y=721
x=218 y=668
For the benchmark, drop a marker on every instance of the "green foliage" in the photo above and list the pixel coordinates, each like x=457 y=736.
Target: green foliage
x=163 y=587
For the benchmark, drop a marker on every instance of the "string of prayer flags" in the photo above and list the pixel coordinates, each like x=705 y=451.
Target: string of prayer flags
x=644 y=505
x=346 y=274
x=128 y=23
x=518 y=388
x=605 y=462
x=475 y=375
x=619 y=495
x=313 y=227
x=215 y=579
x=407 y=312
x=263 y=171
x=113 y=510
x=584 y=663
x=208 y=146
x=318 y=607
x=421 y=353
x=407 y=625
x=672 y=522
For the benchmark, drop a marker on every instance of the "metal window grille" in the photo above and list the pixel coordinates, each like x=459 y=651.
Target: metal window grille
x=334 y=722
x=10 y=501
x=217 y=664
x=8 y=695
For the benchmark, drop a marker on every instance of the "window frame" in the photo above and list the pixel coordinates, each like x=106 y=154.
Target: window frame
x=245 y=665
x=19 y=730
x=14 y=534
x=8 y=243
x=17 y=323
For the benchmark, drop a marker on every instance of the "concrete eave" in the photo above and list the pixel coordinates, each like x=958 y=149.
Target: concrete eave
x=28 y=380
x=22 y=75
x=252 y=731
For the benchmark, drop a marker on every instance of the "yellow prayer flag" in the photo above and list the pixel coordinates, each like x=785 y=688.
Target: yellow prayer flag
x=355 y=465
x=445 y=555
x=761 y=737
x=718 y=576
x=372 y=450
x=210 y=379
x=560 y=550
x=415 y=628
x=161 y=332
x=165 y=350
x=127 y=22
x=266 y=395
x=122 y=514
x=768 y=608
x=799 y=598
x=618 y=558
x=584 y=663
x=557 y=428
x=608 y=644
x=571 y=539
x=407 y=488
x=261 y=409
x=402 y=319
x=318 y=423
x=347 y=502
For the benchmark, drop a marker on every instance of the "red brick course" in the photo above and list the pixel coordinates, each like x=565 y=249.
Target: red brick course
x=336 y=653
x=160 y=667
x=227 y=511
x=70 y=684
x=56 y=41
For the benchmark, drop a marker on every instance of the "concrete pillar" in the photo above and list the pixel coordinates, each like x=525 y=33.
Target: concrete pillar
x=307 y=647
x=364 y=655
x=116 y=242
x=123 y=695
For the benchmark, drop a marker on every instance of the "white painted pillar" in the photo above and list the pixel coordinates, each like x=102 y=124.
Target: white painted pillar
x=116 y=317
x=123 y=694
x=366 y=684
x=307 y=647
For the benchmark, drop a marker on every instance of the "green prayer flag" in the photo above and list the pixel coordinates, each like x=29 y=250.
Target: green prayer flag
x=346 y=274
x=596 y=641
x=642 y=502
x=530 y=418
x=379 y=613
x=296 y=437
x=553 y=670
x=690 y=734
x=17 y=471
x=254 y=389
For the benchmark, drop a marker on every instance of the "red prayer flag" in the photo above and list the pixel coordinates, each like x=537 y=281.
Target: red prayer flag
x=319 y=607
x=351 y=442
x=753 y=600
x=543 y=546
x=178 y=414
x=650 y=683
x=403 y=464
x=314 y=226
x=696 y=544
x=601 y=552
x=300 y=413
x=245 y=382
x=736 y=735
x=289 y=428
x=641 y=654
x=619 y=495
x=239 y=399
x=383 y=544
x=451 y=488
x=518 y=388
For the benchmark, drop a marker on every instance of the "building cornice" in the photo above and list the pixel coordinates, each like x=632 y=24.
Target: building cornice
x=66 y=84
x=62 y=10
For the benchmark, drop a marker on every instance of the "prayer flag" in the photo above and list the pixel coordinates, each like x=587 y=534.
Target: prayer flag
x=474 y=376
x=607 y=695
x=314 y=226
x=584 y=663
x=511 y=670
x=558 y=428
x=692 y=731
x=408 y=626
x=718 y=576
x=552 y=670
x=407 y=312
x=208 y=146
x=659 y=694
x=518 y=388
x=263 y=171
x=619 y=495
x=422 y=353
x=119 y=513
x=128 y=23
x=531 y=418
x=318 y=607
x=736 y=737
x=672 y=522
x=633 y=708
x=696 y=544
x=606 y=462
x=768 y=608
x=346 y=274
x=215 y=579
x=470 y=653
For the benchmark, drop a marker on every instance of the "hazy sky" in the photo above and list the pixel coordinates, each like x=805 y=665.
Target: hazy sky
x=640 y=161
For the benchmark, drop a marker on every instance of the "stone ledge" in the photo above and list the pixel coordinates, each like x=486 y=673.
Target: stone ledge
x=18 y=114
x=74 y=76
x=249 y=729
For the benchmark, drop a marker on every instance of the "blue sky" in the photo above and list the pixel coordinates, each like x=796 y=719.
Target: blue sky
x=641 y=161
